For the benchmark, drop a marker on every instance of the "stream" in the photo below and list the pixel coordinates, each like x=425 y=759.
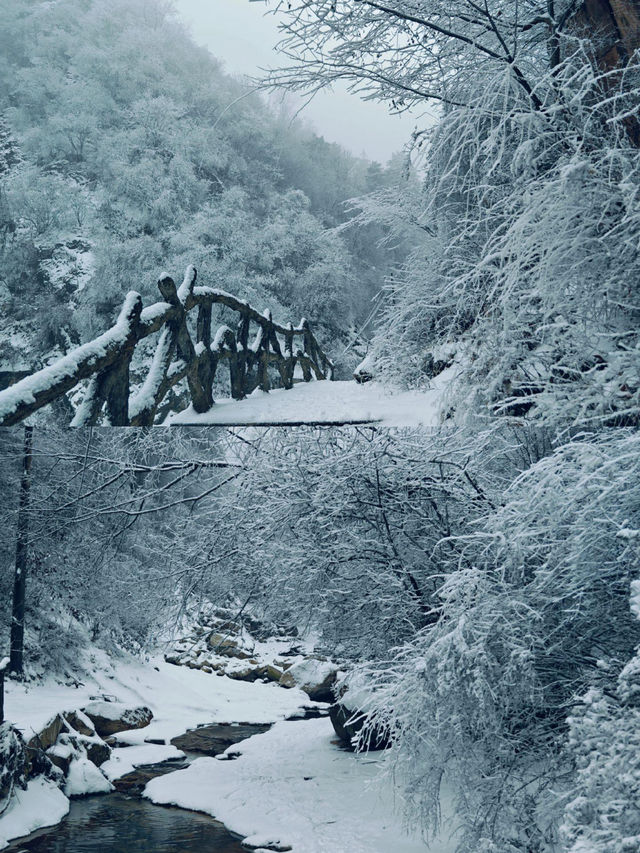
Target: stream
x=122 y=822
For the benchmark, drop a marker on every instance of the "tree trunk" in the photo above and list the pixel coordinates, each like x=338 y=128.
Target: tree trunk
x=16 y=662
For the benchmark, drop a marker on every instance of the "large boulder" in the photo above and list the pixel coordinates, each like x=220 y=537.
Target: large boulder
x=347 y=724
x=83 y=778
x=109 y=718
x=78 y=722
x=96 y=749
x=48 y=735
x=365 y=371
x=226 y=646
x=255 y=673
x=61 y=754
x=313 y=675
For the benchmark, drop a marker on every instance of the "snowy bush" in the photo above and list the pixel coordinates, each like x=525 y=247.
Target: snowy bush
x=12 y=762
x=527 y=252
x=603 y=813
x=535 y=615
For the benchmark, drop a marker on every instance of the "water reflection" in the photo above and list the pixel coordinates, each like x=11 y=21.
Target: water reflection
x=120 y=824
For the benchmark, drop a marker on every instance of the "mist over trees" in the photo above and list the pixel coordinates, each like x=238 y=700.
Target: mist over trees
x=125 y=150
x=527 y=263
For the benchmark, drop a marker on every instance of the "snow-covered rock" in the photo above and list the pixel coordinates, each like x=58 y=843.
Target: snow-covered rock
x=79 y=722
x=109 y=718
x=365 y=371
x=61 y=754
x=348 y=723
x=313 y=675
x=83 y=778
x=47 y=735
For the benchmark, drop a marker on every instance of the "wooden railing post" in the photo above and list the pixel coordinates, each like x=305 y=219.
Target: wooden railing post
x=236 y=374
x=207 y=364
x=263 y=355
x=200 y=397
x=118 y=375
x=243 y=349
x=282 y=362
x=290 y=358
x=16 y=659
x=306 y=346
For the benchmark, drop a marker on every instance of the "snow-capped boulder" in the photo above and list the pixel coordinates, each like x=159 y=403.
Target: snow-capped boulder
x=97 y=751
x=352 y=711
x=226 y=646
x=109 y=718
x=78 y=722
x=313 y=675
x=61 y=754
x=83 y=777
x=364 y=372
x=255 y=673
x=48 y=735
x=347 y=724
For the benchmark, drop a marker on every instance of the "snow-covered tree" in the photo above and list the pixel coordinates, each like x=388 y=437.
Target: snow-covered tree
x=9 y=151
x=526 y=266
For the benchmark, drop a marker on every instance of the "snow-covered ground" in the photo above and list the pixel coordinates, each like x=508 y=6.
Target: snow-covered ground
x=42 y=804
x=293 y=786
x=330 y=403
x=180 y=698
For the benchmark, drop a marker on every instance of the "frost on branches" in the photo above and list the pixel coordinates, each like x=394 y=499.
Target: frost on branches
x=527 y=226
x=12 y=764
x=484 y=579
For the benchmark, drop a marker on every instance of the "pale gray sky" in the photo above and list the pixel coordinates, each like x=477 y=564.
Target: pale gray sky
x=239 y=33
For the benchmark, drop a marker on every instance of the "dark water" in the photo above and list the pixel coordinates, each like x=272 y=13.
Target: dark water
x=116 y=823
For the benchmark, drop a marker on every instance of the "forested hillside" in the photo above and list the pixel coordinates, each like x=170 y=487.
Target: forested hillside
x=126 y=150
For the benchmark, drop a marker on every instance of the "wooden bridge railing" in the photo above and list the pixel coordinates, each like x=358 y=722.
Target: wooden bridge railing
x=106 y=361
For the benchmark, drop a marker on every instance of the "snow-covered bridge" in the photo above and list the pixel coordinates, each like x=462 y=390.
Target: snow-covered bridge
x=256 y=347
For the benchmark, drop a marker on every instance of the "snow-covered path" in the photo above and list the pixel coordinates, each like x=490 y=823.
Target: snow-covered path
x=331 y=403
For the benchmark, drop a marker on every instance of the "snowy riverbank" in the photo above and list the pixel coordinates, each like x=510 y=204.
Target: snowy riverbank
x=293 y=784
x=313 y=796
x=180 y=698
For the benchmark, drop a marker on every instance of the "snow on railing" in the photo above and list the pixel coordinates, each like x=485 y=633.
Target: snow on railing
x=106 y=361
